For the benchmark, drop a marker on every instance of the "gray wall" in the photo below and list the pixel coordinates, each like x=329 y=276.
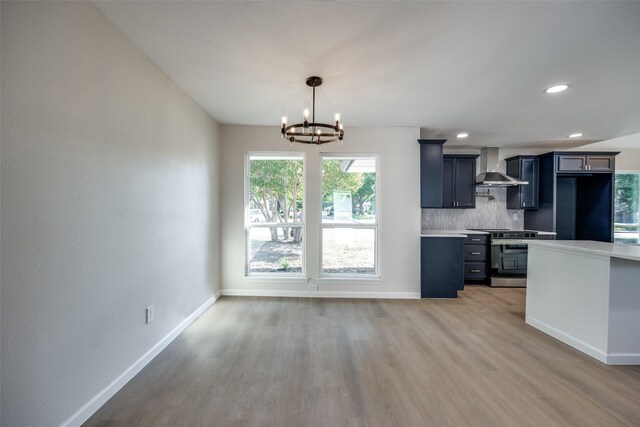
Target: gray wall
x=398 y=210
x=109 y=177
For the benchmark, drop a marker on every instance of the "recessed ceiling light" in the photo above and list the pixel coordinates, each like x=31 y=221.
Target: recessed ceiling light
x=575 y=135
x=557 y=88
x=462 y=135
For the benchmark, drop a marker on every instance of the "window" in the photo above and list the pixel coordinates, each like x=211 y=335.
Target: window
x=274 y=209
x=626 y=213
x=349 y=228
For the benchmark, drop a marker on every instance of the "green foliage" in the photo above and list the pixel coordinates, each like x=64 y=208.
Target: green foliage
x=333 y=179
x=275 y=188
x=361 y=185
x=286 y=265
x=366 y=192
x=627 y=197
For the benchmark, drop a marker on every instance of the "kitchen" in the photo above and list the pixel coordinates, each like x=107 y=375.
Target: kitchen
x=564 y=195
x=142 y=284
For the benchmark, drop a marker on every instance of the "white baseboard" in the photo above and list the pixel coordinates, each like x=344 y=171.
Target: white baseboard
x=89 y=408
x=623 y=359
x=319 y=294
x=568 y=339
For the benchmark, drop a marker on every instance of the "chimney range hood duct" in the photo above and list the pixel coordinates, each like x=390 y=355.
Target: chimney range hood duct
x=493 y=178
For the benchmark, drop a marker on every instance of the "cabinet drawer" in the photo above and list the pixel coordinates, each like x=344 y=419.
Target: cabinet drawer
x=475 y=253
x=475 y=239
x=475 y=271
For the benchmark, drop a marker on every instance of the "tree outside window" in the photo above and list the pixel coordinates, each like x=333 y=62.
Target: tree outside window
x=275 y=212
x=626 y=208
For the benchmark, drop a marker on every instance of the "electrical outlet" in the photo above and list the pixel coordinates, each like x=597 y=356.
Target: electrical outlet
x=312 y=286
x=514 y=216
x=150 y=314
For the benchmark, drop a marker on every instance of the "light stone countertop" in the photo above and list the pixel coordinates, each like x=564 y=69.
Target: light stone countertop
x=614 y=250
x=449 y=233
x=544 y=233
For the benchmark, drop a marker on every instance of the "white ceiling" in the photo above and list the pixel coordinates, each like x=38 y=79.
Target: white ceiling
x=442 y=66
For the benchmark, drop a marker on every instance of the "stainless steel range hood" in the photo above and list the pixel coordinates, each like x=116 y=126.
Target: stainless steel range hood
x=489 y=175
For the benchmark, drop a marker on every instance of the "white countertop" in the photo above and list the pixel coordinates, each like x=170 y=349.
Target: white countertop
x=614 y=250
x=449 y=233
x=430 y=233
x=464 y=233
x=544 y=233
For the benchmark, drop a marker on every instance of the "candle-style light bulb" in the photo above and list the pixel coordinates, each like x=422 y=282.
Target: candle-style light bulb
x=284 y=120
x=337 y=117
x=305 y=113
x=318 y=132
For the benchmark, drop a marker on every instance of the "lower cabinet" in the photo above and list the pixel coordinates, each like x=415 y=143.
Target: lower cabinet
x=476 y=255
x=441 y=266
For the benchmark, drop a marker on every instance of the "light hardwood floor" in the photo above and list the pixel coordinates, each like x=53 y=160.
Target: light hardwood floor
x=344 y=362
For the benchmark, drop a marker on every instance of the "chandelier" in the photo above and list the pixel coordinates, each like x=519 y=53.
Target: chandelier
x=312 y=132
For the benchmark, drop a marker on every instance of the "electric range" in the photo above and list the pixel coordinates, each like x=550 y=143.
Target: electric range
x=508 y=256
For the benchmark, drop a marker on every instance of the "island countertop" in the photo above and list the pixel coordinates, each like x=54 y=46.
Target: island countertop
x=613 y=250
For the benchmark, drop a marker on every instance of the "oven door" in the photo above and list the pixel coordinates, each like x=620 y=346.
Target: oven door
x=508 y=262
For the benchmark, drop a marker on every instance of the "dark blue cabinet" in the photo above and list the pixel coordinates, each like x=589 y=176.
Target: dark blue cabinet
x=446 y=181
x=525 y=168
x=441 y=267
x=576 y=195
x=476 y=256
x=459 y=181
x=431 y=172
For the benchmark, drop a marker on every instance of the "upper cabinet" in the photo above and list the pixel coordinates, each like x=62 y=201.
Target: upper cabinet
x=525 y=168
x=459 y=181
x=431 y=172
x=446 y=181
x=584 y=163
x=576 y=195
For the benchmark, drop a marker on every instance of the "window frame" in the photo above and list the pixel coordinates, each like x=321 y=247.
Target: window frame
x=624 y=172
x=377 y=275
x=248 y=225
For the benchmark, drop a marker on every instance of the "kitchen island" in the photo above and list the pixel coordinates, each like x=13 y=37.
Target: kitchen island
x=587 y=294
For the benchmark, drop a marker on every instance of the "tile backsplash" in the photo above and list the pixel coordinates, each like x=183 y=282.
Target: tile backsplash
x=488 y=214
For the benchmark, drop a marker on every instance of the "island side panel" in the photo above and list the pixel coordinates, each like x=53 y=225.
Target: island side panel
x=567 y=297
x=624 y=313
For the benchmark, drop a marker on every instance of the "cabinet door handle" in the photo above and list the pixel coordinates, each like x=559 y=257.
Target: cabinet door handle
x=475 y=271
x=475 y=253
x=475 y=240
x=524 y=204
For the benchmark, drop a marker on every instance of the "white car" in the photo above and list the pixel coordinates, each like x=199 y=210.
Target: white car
x=255 y=215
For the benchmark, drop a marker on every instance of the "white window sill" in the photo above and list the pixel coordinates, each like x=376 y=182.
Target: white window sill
x=295 y=280
x=350 y=280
